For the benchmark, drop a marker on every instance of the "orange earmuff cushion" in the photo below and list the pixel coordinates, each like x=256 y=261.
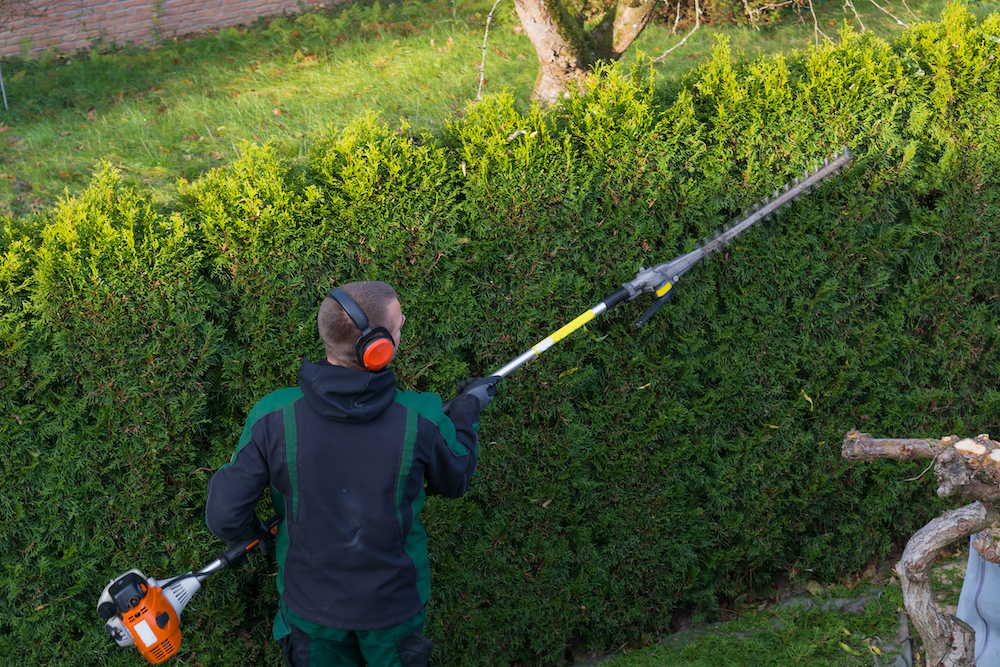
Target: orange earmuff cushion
x=378 y=354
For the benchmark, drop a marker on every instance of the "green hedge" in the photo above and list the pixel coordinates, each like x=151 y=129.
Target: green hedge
x=627 y=473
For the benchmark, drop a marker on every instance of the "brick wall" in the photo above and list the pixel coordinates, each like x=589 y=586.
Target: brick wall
x=70 y=25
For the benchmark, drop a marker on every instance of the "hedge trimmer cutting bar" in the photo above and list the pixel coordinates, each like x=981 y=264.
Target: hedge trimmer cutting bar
x=660 y=279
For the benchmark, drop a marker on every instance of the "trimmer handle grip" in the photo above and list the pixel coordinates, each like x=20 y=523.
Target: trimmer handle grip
x=241 y=550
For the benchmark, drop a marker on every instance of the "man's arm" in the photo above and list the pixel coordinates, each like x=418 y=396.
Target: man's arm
x=455 y=455
x=233 y=493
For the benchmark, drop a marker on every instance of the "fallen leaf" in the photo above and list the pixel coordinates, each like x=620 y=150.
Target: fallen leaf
x=814 y=587
x=806 y=396
x=546 y=503
x=276 y=112
x=848 y=649
x=164 y=150
x=92 y=114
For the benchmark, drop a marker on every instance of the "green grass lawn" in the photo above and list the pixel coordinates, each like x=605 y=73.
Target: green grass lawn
x=179 y=109
x=772 y=635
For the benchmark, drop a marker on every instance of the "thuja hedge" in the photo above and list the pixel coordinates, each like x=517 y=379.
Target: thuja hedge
x=625 y=475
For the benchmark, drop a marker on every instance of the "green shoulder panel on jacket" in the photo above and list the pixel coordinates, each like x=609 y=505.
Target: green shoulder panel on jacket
x=428 y=405
x=273 y=402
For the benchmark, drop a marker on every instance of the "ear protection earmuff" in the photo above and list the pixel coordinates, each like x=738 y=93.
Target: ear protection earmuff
x=375 y=348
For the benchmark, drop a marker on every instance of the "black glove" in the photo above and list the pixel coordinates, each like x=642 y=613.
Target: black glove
x=482 y=388
x=237 y=551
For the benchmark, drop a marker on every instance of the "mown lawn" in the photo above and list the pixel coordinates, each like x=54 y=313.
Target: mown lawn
x=183 y=107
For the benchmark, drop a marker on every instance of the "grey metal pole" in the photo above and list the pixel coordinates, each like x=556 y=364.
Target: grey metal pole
x=3 y=90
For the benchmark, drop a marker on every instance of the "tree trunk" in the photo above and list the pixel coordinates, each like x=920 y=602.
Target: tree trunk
x=566 y=50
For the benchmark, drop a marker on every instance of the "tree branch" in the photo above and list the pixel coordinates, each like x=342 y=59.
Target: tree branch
x=863 y=447
x=482 y=65
x=886 y=12
x=697 y=24
x=816 y=31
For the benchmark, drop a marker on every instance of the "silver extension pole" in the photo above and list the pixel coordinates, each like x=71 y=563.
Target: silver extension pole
x=3 y=90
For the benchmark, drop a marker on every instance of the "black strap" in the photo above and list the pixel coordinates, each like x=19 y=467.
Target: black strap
x=353 y=310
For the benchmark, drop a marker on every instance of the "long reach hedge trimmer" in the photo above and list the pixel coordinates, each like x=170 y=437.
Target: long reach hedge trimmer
x=660 y=279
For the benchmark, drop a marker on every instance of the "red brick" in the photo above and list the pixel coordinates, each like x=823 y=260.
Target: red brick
x=71 y=24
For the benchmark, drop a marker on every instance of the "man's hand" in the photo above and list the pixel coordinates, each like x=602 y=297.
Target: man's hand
x=482 y=388
x=237 y=554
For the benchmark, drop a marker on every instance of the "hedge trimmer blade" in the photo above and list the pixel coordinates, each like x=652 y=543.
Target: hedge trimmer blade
x=660 y=279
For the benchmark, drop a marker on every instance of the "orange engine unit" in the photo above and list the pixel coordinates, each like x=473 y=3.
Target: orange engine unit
x=151 y=620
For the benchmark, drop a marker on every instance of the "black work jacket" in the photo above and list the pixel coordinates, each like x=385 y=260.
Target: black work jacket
x=347 y=456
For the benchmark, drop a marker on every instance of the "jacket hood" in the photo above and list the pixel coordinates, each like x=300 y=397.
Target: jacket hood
x=344 y=394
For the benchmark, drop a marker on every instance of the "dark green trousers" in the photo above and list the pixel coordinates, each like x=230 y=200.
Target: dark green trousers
x=305 y=644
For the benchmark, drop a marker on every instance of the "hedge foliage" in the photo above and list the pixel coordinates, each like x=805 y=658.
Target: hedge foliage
x=624 y=475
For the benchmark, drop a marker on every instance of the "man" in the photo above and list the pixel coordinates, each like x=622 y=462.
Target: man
x=346 y=456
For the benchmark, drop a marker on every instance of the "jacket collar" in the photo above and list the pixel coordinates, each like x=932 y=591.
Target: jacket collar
x=344 y=394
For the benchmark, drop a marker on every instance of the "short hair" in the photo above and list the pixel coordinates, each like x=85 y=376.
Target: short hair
x=338 y=332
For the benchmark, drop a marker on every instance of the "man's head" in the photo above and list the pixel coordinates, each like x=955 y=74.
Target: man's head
x=380 y=305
